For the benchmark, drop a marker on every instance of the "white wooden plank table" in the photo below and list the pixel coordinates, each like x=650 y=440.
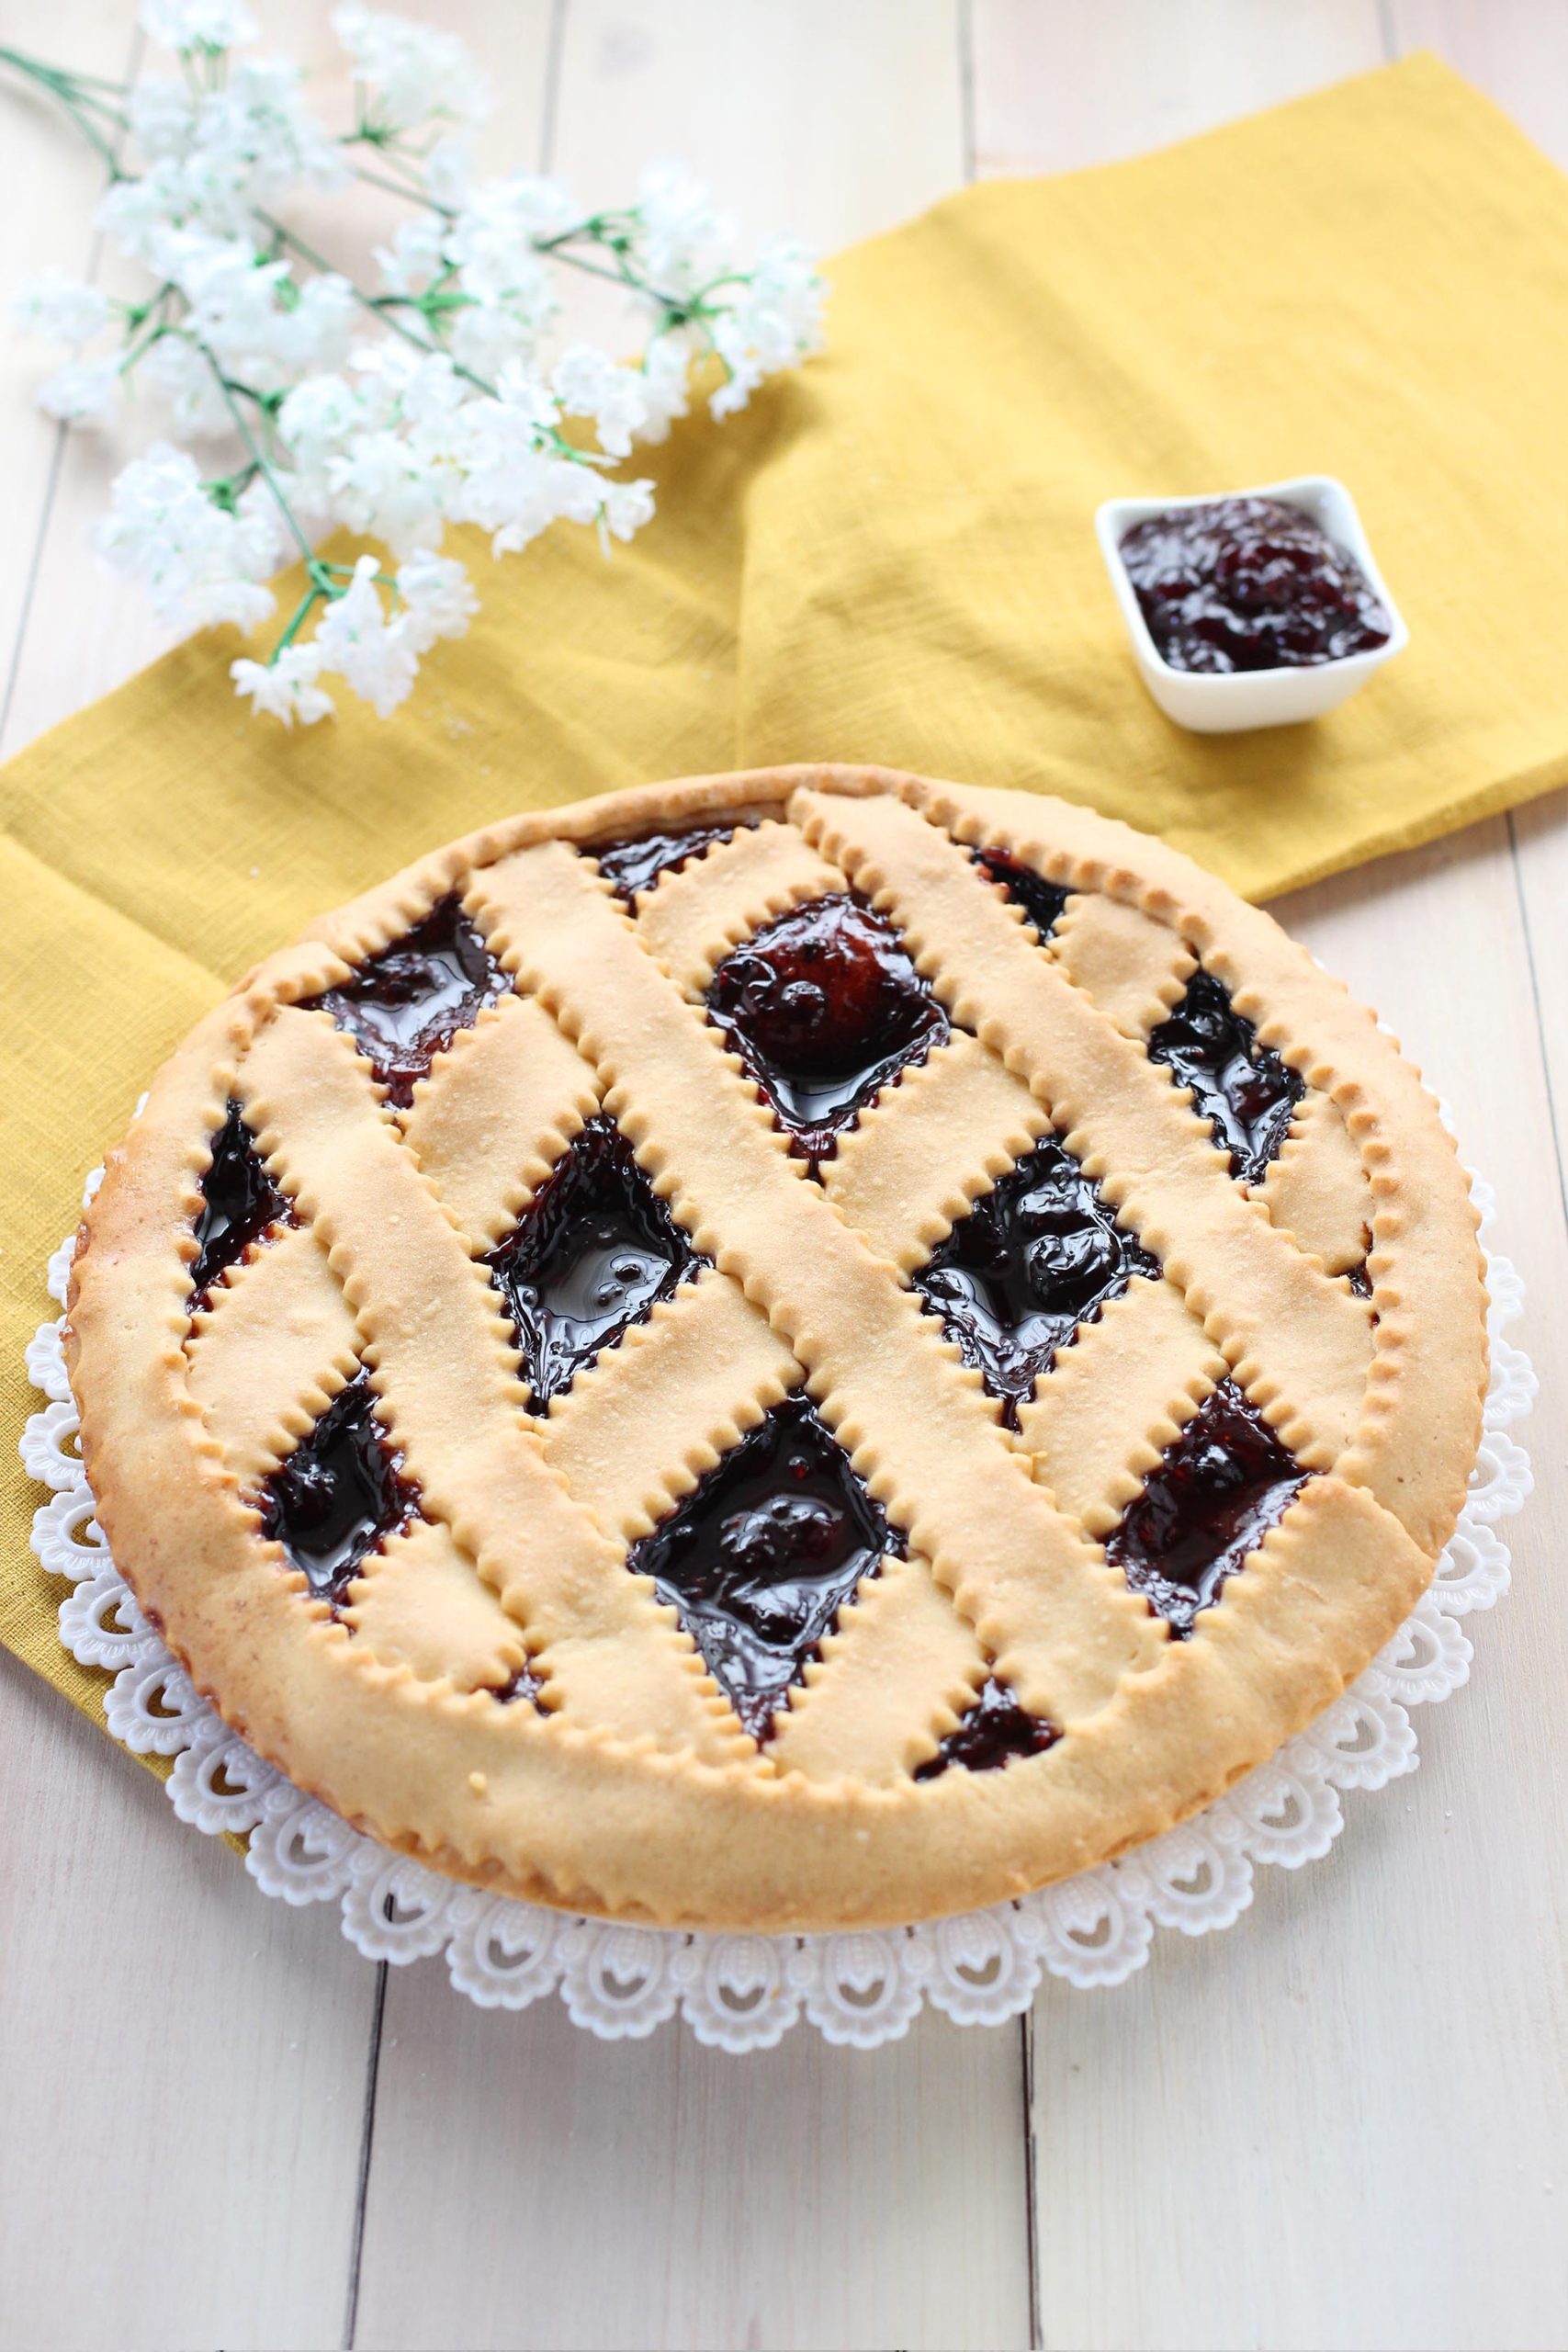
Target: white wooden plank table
x=1342 y=2123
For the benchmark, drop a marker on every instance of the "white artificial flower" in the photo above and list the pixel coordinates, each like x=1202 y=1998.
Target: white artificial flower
x=437 y=596
x=485 y=338
x=587 y=382
x=776 y=322
x=515 y=485
x=448 y=171
x=135 y=212
x=381 y=486
x=627 y=505
x=415 y=75
x=163 y=115
x=61 y=308
x=491 y=246
x=319 y=330
x=192 y=557
x=413 y=258
x=316 y=418
x=666 y=366
x=184 y=378
x=84 y=391
x=260 y=122
x=286 y=686
x=682 y=235
x=355 y=639
x=197 y=24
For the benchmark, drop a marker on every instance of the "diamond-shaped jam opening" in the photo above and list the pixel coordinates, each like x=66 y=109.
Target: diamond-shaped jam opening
x=763 y=1554
x=1218 y=1490
x=1042 y=901
x=339 y=1495
x=824 y=1006
x=239 y=1202
x=1244 y=1090
x=595 y=1249
x=405 y=1005
x=632 y=866
x=995 y=1730
x=1035 y=1257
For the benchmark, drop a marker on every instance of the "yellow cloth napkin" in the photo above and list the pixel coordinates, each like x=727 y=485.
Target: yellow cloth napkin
x=890 y=559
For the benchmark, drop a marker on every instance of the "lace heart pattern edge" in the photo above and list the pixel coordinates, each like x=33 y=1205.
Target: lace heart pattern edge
x=746 y=1992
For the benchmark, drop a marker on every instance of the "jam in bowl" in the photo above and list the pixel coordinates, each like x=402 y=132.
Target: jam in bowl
x=1258 y=608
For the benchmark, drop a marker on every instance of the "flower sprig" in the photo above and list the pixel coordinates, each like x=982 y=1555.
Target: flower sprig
x=438 y=394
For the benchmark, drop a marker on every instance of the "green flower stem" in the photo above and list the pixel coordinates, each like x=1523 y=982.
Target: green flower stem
x=313 y=596
x=229 y=390
x=68 y=93
x=414 y=193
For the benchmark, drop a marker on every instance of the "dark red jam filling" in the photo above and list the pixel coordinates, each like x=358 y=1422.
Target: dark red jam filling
x=595 y=1248
x=630 y=866
x=339 y=1495
x=1250 y=584
x=763 y=1554
x=523 y=1684
x=995 y=1730
x=1361 y=1280
x=824 y=1007
x=1243 y=1090
x=1224 y=1483
x=1016 y=1277
x=1042 y=901
x=405 y=1005
x=239 y=1201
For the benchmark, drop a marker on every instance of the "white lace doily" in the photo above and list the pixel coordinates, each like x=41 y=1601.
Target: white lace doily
x=744 y=1992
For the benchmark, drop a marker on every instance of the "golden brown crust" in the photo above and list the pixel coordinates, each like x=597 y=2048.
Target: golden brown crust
x=635 y=1794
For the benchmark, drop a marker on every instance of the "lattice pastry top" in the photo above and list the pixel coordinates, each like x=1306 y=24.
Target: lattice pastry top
x=800 y=1348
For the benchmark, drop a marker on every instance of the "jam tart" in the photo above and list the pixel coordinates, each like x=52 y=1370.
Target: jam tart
x=784 y=1351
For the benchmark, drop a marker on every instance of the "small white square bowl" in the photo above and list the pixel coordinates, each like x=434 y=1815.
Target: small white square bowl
x=1223 y=702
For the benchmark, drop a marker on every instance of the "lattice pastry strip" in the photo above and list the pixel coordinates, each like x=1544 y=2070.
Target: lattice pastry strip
x=930 y=1147
x=1134 y=967
x=694 y=917
x=1317 y=1189
x=636 y=1431
x=271 y=1350
x=897 y=1674
x=495 y=1115
x=417 y=1603
x=1116 y=1399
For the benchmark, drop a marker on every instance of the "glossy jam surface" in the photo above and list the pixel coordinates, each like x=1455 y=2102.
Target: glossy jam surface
x=1015 y=1278
x=630 y=866
x=1250 y=584
x=824 y=1006
x=596 y=1247
x=995 y=1730
x=1042 y=901
x=1224 y=1483
x=1243 y=1090
x=239 y=1201
x=763 y=1554
x=405 y=1005
x=339 y=1495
